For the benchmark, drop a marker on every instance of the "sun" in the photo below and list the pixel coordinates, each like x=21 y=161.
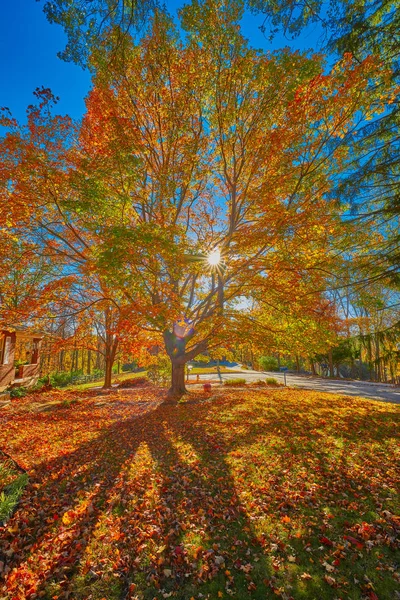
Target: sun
x=214 y=257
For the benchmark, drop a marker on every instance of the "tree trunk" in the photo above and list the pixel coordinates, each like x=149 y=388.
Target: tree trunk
x=108 y=372
x=177 y=379
x=369 y=354
x=111 y=348
x=384 y=371
x=253 y=364
x=108 y=343
x=176 y=350
x=378 y=359
x=61 y=363
x=330 y=358
x=98 y=355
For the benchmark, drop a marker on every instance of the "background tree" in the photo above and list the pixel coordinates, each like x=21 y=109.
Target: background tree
x=50 y=270
x=24 y=279
x=94 y=24
x=371 y=186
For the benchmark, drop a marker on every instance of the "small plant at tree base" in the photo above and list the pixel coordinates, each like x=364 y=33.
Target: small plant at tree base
x=43 y=384
x=235 y=382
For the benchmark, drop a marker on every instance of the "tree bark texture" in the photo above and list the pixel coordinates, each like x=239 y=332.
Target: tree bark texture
x=179 y=356
x=178 y=387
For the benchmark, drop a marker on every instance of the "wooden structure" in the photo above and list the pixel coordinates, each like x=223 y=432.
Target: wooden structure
x=19 y=357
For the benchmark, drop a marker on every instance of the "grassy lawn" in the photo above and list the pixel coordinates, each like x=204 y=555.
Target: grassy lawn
x=12 y=483
x=272 y=493
x=115 y=379
x=199 y=370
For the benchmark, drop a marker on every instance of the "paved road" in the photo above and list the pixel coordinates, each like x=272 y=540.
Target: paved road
x=372 y=391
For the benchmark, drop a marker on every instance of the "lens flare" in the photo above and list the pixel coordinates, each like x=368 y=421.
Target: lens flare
x=214 y=257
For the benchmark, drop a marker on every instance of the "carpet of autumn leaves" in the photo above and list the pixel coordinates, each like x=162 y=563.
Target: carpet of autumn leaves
x=251 y=494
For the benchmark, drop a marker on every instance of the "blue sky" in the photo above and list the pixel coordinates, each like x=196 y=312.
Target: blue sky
x=28 y=57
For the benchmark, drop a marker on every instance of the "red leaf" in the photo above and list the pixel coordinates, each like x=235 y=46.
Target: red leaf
x=353 y=540
x=326 y=541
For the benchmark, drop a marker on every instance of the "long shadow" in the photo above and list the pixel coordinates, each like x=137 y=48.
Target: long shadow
x=62 y=505
x=205 y=534
x=80 y=499
x=151 y=505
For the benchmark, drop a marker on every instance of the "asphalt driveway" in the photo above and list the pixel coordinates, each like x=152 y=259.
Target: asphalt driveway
x=373 y=391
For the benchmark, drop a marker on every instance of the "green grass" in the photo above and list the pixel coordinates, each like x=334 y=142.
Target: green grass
x=205 y=370
x=115 y=379
x=259 y=494
x=12 y=484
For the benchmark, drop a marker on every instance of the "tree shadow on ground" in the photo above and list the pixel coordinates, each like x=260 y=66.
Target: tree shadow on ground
x=117 y=514
x=151 y=507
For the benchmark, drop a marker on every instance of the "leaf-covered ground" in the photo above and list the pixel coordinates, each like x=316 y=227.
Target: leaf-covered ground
x=254 y=494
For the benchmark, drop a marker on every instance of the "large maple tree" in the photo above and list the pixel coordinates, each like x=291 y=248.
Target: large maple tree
x=200 y=174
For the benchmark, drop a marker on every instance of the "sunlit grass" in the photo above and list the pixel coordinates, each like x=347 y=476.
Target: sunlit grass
x=117 y=378
x=12 y=484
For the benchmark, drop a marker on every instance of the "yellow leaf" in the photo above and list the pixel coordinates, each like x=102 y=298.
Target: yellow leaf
x=66 y=519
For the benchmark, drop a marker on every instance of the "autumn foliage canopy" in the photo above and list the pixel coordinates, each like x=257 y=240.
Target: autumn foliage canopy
x=189 y=144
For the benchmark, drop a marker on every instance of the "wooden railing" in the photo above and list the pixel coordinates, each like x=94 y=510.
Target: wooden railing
x=6 y=375
x=25 y=371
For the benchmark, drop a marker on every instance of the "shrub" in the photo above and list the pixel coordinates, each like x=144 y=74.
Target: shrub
x=64 y=378
x=133 y=382
x=160 y=372
x=60 y=379
x=128 y=367
x=260 y=382
x=268 y=363
x=235 y=382
x=18 y=392
x=271 y=381
x=45 y=380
